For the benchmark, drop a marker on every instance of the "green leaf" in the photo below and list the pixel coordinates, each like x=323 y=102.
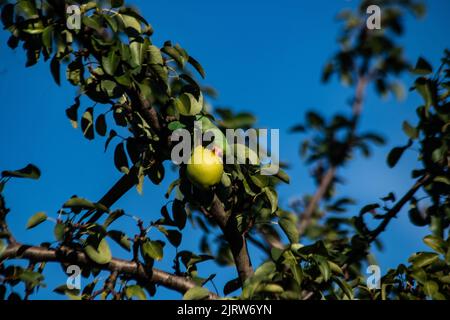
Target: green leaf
x=430 y=288
x=174 y=125
x=174 y=184
x=423 y=88
x=131 y=23
x=423 y=259
x=120 y=238
x=135 y=291
x=196 y=293
x=197 y=66
x=324 y=267
x=335 y=268
x=112 y=22
x=113 y=216
x=153 y=249
x=37 y=219
x=72 y=112
x=27 y=9
x=419 y=275
x=175 y=55
x=79 y=203
x=155 y=55
x=29 y=172
x=92 y=22
x=188 y=105
x=98 y=251
x=110 y=88
x=410 y=131
x=288 y=222
x=270 y=288
x=110 y=62
x=31 y=277
x=435 y=243
x=422 y=67
x=345 y=287
x=442 y=179
x=87 y=123
x=283 y=176
x=75 y=72
x=59 y=231
x=124 y=80
x=136 y=52
x=63 y=289
x=272 y=196
x=292 y=263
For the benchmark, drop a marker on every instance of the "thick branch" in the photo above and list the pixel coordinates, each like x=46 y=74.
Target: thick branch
x=68 y=255
x=235 y=239
x=122 y=186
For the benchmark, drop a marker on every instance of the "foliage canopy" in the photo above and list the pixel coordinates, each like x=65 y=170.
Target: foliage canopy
x=312 y=250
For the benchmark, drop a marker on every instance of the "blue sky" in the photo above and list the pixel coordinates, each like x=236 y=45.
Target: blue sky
x=262 y=56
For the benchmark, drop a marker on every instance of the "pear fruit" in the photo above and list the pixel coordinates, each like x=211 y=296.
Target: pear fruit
x=204 y=168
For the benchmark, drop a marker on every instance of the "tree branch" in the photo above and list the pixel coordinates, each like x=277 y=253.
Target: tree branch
x=328 y=178
x=68 y=255
x=306 y=217
x=235 y=239
x=392 y=213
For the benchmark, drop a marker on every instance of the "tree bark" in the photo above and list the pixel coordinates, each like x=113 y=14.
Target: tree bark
x=236 y=240
x=131 y=268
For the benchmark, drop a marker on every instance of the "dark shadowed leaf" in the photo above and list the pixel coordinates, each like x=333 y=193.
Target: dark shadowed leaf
x=55 y=67
x=179 y=214
x=100 y=125
x=422 y=67
x=394 y=156
x=368 y=208
x=231 y=286
x=197 y=66
x=113 y=216
x=29 y=172
x=120 y=158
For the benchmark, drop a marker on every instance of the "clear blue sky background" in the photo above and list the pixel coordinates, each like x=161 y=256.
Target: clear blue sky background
x=262 y=56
